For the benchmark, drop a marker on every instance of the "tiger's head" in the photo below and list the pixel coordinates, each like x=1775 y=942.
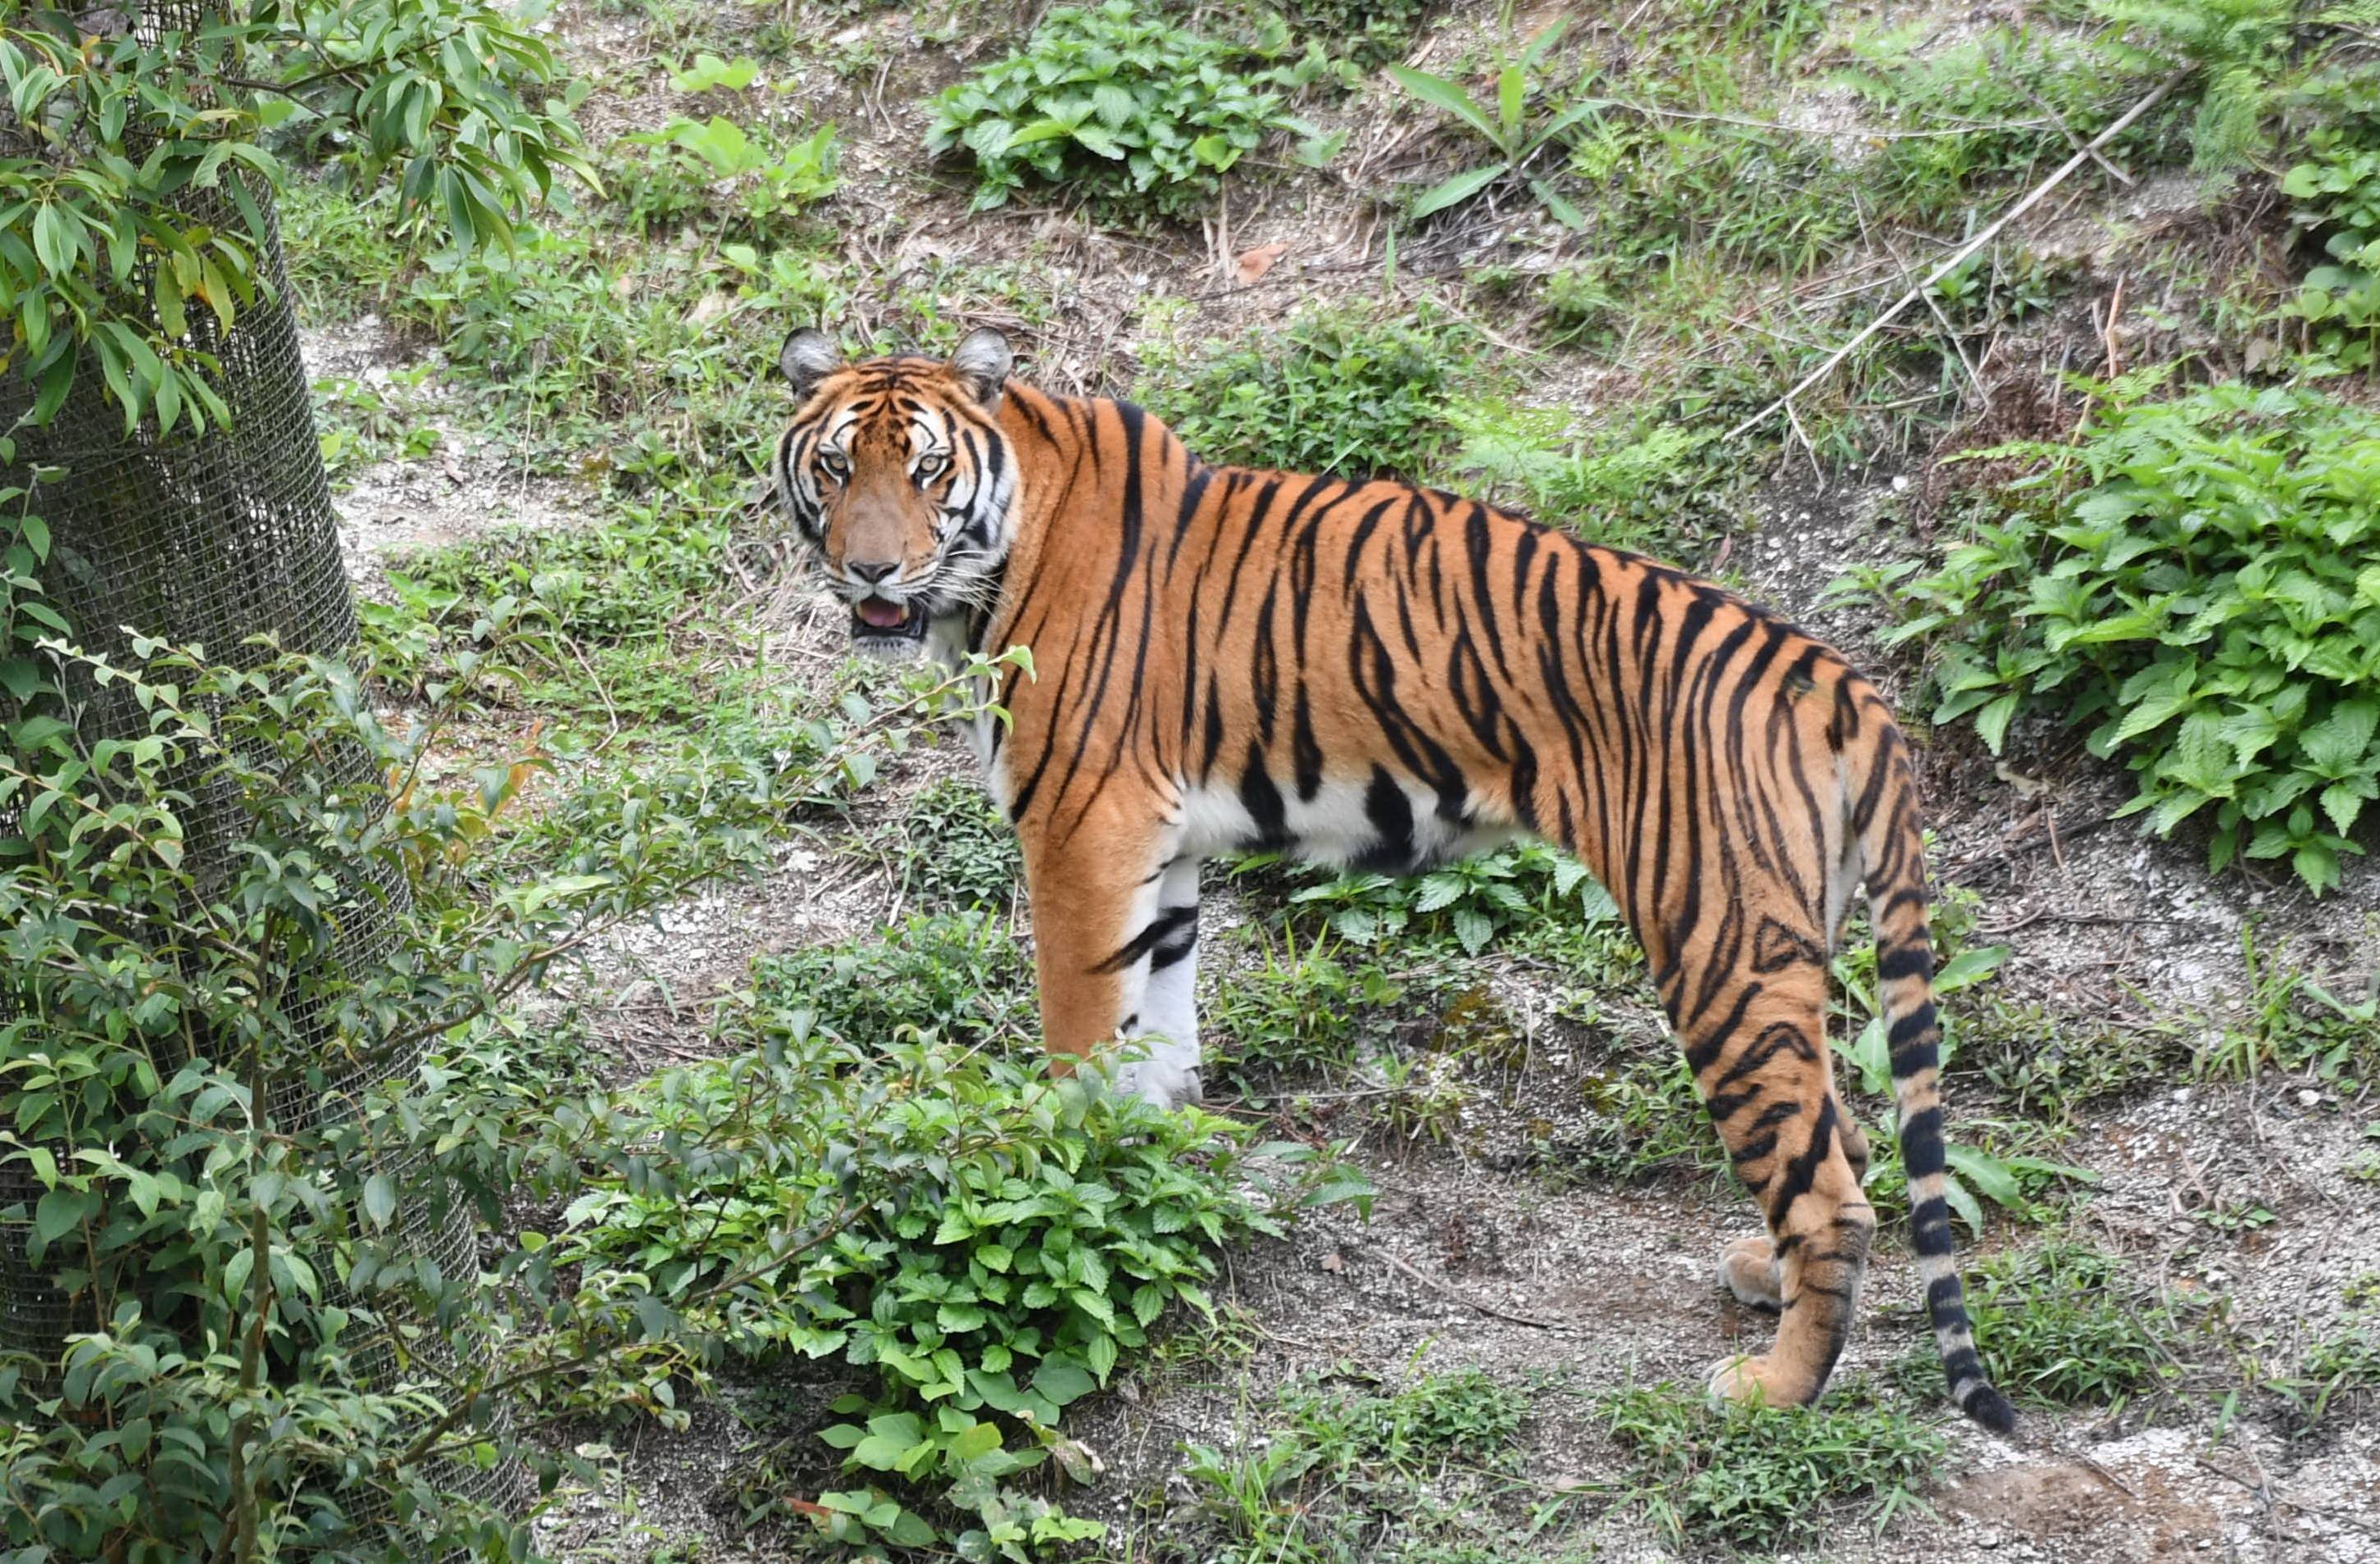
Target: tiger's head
x=897 y=474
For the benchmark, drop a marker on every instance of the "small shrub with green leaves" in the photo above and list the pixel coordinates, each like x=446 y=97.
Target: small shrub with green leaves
x=688 y=165
x=956 y=851
x=1338 y=392
x=2195 y=575
x=2333 y=195
x=1471 y=901
x=1000 y=1243
x=2061 y=1324
x=1120 y=107
x=1764 y=1477
x=959 y=974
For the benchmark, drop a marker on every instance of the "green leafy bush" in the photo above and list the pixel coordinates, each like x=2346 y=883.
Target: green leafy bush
x=1000 y=1243
x=1337 y=392
x=226 y=1191
x=956 y=850
x=2334 y=193
x=961 y=975
x=1132 y=111
x=1762 y=1477
x=2196 y=576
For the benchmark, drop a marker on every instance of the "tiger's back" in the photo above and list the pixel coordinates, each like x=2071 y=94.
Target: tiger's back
x=1387 y=676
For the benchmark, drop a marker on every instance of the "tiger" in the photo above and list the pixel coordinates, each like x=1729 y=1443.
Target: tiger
x=1387 y=677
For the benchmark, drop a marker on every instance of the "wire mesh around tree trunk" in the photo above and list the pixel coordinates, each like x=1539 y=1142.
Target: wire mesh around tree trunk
x=211 y=541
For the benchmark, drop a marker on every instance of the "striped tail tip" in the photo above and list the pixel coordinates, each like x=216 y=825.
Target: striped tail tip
x=1979 y=1399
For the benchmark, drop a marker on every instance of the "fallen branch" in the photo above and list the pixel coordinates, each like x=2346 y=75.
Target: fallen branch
x=1959 y=257
x=1470 y=1303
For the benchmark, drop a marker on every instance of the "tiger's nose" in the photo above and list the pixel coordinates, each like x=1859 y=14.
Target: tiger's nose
x=871 y=572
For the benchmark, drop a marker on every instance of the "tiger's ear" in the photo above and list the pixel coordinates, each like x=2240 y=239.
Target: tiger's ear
x=808 y=356
x=983 y=360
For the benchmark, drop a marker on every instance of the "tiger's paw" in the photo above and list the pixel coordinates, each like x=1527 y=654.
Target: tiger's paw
x=1164 y=1084
x=1745 y=1379
x=1748 y=1268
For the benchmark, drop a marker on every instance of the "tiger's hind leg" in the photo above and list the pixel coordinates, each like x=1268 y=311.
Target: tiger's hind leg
x=1759 y=1058
x=1749 y=1269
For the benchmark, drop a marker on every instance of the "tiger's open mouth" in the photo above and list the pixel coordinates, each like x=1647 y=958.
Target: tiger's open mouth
x=875 y=622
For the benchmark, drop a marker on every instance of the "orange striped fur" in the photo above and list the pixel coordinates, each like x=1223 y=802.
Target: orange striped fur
x=1388 y=676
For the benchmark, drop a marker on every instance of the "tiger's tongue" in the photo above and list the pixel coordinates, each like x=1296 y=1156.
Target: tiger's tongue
x=882 y=615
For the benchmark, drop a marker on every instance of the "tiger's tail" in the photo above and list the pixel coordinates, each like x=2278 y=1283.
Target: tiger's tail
x=1893 y=849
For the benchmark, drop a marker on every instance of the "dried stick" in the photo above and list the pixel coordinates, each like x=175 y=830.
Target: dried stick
x=1960 y=256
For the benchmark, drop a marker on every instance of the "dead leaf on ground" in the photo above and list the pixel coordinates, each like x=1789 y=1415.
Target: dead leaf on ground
x=1254 y=263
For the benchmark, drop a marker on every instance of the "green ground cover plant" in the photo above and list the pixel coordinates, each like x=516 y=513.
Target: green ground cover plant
x=1346 y=1473
x=684 y=168
x=2333 y=195
x=961 y=976
x=1761 y=1477
x=2062 y=1324
x=1118 y=107
x=1000 y=1244
x=2193 y=576
x=956 y=851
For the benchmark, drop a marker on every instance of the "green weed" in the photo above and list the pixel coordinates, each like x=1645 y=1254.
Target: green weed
x=2061 y=1323
x=2292 y=1024
x=692 y=167
x=2333 y=195
x=956 y=852
x=1764 y=1477
x=1128 y=111
x=997 y=1244
x=1469 y=903
x=1298 y=1008
x=1648 y=1119
x=958 y=975
x=1514 y=137
x=1337 y=392
x=2191 y=575
x=362 y=424
x=1343 y=1478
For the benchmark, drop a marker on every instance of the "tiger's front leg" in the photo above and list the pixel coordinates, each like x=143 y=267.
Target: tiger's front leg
x=1116 y=928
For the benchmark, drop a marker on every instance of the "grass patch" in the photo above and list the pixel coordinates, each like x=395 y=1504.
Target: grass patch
x=1761 y=1477
x=2060 y=1323
x=1416 y=1475
x=1291 y=1007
